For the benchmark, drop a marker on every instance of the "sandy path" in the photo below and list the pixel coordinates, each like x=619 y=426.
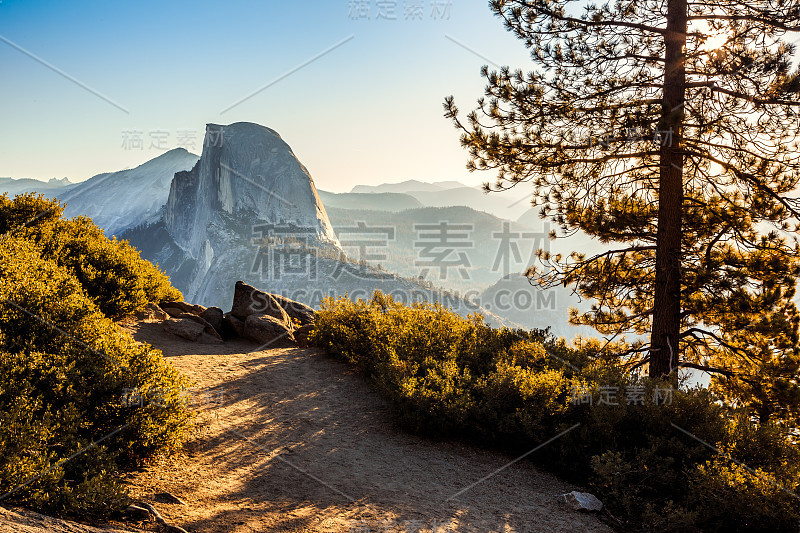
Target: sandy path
x=291 y=440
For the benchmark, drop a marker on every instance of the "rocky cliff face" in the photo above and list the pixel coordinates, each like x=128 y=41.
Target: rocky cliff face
x=248 y=175
x=247 y=187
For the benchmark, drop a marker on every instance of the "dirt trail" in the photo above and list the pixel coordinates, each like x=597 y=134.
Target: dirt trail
x=291 y=440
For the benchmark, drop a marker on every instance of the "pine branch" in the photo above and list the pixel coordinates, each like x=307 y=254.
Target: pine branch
x=749 y=18
x=709 y=369
x=587 y=23
x=741 y=96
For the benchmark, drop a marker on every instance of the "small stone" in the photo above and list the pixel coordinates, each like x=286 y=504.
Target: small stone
x=583 y=501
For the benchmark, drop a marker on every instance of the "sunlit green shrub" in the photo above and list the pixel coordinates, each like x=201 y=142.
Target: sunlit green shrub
x=751 y=485
x=67 y=378
x=110 y=271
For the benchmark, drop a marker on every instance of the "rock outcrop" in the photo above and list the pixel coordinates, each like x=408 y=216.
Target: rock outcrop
x=213 y=315
x=298 y=312
x=152 y=311
x=267 y=329
x=265 y=318
x=232 y=326
x=173 y=308
x=247 y=300
x=191 y=327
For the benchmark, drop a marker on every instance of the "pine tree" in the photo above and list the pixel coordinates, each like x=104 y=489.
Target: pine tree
x=667 y=127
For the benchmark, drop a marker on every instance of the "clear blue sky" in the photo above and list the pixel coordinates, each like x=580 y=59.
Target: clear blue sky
x=369 y=111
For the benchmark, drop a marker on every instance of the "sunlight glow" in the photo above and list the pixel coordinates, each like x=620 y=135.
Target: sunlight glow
x=715 y=38
x=715 y=41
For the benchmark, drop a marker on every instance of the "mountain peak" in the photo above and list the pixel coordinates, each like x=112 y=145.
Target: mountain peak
x=119 y=200
x=175 y=154
x=243 y=128
x=248 y=173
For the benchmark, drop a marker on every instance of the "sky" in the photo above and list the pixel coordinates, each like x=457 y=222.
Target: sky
x=354 y=87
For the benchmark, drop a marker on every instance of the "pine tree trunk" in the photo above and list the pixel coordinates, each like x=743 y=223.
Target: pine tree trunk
x=667 y=304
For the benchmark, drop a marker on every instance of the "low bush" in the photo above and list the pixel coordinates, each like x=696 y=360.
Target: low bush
x=662 y=458
x=110 y=271
x=79 y=398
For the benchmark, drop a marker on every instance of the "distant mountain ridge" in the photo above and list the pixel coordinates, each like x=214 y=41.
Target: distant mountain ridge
x=407 y=186
x=379 y=201
x=507 y=204
x=117 y=201
x=49 y=188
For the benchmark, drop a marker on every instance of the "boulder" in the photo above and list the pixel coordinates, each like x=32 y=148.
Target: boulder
x=183 y=307
x=297 y=311
x=583 y=501
x=232 y=326
x=266 y=329
x=247 y=301
x=184 y=327
x=213 y=315
x=174 y=311
x=208 y=338
x=151 y=311
x=207 y=328
x=301 y=335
